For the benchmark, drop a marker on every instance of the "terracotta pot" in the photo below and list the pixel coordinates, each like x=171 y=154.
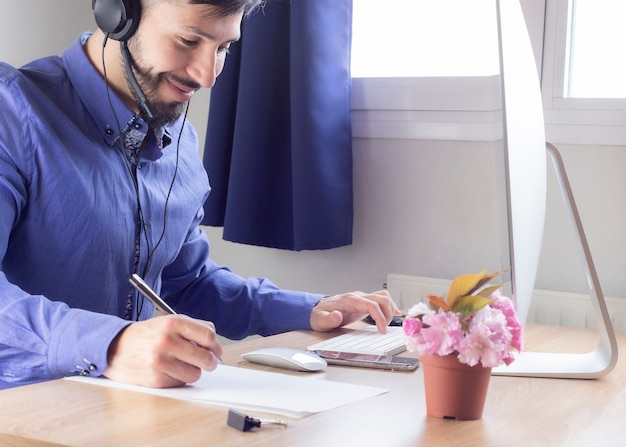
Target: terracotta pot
x=454 y=390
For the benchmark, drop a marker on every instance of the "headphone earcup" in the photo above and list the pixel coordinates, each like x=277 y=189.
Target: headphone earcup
x=117 y=18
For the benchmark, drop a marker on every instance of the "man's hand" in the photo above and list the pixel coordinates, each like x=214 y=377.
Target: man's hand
x=338 y=310
x=163 y=352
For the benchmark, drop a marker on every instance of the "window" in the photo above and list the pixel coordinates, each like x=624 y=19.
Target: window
x=583 y=94
x=596 y=65
x=409 y=38
x=425 y=69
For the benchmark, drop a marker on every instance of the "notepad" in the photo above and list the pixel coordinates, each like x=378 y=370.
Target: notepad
x=254 y=390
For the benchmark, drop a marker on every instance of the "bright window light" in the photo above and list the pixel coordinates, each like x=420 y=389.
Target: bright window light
x=596 y=66
x=413 y=38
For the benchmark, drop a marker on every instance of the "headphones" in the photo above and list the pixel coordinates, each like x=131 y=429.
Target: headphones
x=118 y=19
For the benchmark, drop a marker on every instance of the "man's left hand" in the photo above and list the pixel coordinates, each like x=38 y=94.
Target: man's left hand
x=338 y=310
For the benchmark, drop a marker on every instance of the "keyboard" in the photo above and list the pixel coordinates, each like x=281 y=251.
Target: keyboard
x=365 y=341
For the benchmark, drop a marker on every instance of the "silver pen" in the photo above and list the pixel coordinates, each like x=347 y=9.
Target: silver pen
x=146 y=291
x=155 y=299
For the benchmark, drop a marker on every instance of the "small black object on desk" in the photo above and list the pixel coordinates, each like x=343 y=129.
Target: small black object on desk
x=246 y=423
x=397 y=320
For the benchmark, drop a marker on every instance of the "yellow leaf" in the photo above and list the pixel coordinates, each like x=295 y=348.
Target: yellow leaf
x=468 y=284
x=485 y=280
x=463 y=285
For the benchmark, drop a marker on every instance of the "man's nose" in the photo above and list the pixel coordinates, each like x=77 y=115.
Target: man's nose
x=205 y=68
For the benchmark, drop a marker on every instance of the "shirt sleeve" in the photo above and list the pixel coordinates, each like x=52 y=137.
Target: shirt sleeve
x=43 y=340
x=238 y=306
x=39 y=339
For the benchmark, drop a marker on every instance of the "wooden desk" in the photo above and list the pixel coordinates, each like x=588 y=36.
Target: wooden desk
x=519 y=411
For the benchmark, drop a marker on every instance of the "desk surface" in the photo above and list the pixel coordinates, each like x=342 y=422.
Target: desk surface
x=518 y=411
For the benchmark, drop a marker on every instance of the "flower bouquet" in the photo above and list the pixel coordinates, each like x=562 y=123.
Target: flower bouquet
x=476 y=323
x=459 y=338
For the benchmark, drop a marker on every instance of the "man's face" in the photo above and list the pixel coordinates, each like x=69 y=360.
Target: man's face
x=177 y=49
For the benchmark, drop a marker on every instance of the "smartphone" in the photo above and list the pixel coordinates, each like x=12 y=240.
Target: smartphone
x=369 y=360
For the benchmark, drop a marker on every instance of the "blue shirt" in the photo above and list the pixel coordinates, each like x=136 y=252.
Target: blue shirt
x=70 y=219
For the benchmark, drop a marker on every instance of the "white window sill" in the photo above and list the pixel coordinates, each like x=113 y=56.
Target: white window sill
x=469 y=109
x=443 y=108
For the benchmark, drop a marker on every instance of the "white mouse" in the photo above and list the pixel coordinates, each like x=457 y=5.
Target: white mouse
x=288 y=358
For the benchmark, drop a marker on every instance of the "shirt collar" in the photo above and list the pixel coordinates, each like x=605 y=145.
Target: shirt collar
x=105 y=106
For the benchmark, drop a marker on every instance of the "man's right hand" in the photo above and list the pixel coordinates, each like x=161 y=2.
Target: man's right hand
x=162 y=352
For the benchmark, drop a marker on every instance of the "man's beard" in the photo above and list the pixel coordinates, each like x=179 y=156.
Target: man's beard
x=164 y=113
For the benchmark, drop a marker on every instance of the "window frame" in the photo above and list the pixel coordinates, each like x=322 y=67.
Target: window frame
x=599 y=121
x=427 y=108
x=412 y=108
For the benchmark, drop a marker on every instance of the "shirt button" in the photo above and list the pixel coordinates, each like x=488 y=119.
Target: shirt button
x=109 y=131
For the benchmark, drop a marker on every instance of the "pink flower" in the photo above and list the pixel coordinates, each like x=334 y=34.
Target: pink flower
x=478 y=346
x=442 y=334
x=487 y=339
x=420 y=309
x=506 y=306
x=479 y=324
x=412 y=326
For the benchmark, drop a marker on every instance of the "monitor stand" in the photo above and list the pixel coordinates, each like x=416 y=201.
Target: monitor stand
x=603 y=358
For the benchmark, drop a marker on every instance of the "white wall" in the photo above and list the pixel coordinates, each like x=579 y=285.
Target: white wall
x=407 y=218
x=401 y=227
x=33 y=28
x=599 y=186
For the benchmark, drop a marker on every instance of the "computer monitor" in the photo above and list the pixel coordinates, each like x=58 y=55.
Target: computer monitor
x=525 y=159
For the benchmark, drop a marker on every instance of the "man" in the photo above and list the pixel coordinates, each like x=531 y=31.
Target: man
x=99 y=179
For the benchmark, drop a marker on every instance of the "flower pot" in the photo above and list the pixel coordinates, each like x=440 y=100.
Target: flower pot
x=453 y=389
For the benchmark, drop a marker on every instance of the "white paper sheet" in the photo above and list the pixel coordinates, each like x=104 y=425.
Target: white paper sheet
x=293 y=396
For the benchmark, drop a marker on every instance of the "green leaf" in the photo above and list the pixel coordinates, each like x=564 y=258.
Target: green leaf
x=469 y=304
x=489 y=290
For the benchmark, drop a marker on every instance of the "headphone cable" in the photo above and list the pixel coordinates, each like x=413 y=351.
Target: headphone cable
x=133 y=176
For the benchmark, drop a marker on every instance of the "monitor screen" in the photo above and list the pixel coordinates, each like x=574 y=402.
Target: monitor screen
x=524 y=152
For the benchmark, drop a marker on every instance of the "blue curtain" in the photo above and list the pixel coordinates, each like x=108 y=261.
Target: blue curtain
x=279 y=144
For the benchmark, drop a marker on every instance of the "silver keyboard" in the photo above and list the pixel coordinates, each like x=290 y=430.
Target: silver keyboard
x=365 y=341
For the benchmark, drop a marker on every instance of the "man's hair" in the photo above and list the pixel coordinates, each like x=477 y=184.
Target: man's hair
x=228 y=7
x=223 y=8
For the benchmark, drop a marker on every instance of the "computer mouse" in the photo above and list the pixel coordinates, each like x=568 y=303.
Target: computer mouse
x=287 y=358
